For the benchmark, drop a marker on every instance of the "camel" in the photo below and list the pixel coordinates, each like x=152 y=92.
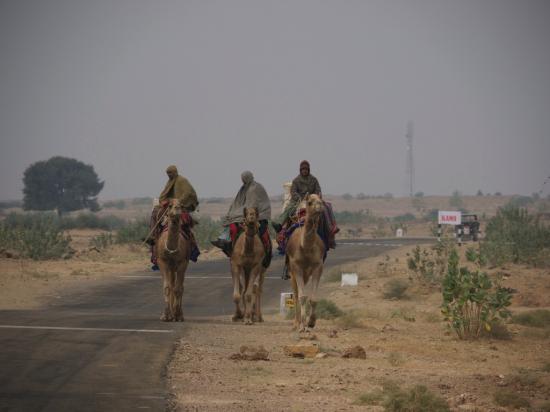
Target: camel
x=304 y=259
x=173 y=251
x=247 y=270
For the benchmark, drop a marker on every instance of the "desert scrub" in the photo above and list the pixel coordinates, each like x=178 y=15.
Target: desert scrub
x=429 y=264
x=206 y=230
x=471 y=301
x=37 y=236
x=539 y=318
x=513 y=235
x=133 y=232
x=325 y=309
x=395 y=399
x=102 y=241
x=349 y=320
x=395 y=289
x=509 y=398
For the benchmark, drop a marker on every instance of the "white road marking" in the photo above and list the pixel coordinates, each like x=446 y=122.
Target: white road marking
x=87 y=329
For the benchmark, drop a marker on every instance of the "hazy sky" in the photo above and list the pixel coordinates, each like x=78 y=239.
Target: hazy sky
x=217 y=87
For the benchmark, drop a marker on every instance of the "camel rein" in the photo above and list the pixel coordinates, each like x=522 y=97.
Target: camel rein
x=155 y=226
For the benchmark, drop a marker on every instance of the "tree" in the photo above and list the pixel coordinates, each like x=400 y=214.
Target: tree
x=61 y=183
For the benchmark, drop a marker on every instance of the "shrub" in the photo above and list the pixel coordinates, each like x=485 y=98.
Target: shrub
x=133 y=232
x=327 y=309
x=429 y=265
x=515 y=236
x=349 y=320
x=206 y=230
x=537 y=318
x=347 y=196
x=395 y=399
x=470 y=301
x=395 y=289
x=37 y=236
x=102 y=241
x=506 y=398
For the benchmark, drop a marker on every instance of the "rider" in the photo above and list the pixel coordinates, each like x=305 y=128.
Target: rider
x=177 y=187
x=302 y=184
x=251 y=194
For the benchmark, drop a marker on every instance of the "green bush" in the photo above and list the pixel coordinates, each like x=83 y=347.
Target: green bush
x=395 y=289
x=513 y=235
x=207 y=230
x=133 y=232
x=395 y=399
x=429 y=265
x=37 y=236
x=507 y=398
x=539 y=318
x=327 y=309
x=471 y=301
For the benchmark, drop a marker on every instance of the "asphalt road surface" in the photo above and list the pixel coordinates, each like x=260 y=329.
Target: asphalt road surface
x=102 y=347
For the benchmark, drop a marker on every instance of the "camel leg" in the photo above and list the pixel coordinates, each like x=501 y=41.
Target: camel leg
x=315 y=277
x=167 y=316
x=249 y=295
x=237 y=290
x=301 y=299
x=179 y=282
x=297 y=313
x=259 y=290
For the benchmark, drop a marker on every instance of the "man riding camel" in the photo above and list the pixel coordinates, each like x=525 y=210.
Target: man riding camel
x=305 y=183
x=302 y=184
x=251 y=194
x=177 y=187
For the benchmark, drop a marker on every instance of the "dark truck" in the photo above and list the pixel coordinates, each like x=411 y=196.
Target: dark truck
x=469 y=227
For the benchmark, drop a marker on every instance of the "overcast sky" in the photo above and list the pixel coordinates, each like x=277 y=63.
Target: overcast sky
x=218 y=87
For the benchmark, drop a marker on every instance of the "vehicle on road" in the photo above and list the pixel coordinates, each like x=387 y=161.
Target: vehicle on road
x=469 y=227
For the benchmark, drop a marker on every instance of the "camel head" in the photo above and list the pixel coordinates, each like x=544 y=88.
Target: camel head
x=175 y=209
x=314 y=204
x=251 y=217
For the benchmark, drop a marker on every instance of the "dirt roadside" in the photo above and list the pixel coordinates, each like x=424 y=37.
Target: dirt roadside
x=405 y=342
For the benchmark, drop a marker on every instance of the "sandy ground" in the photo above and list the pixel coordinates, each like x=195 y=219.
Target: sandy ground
x=405 y=342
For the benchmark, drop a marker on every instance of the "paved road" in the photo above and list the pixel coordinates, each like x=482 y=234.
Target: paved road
x=102 y=347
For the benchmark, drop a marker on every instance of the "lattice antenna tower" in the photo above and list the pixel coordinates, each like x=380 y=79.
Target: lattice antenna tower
x=410 y=158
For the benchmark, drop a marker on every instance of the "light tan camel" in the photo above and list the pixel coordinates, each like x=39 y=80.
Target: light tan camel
x=304 y=259
x=247 y=270
x=173 y=251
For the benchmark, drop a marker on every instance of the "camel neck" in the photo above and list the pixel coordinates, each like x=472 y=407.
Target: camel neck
x=250 y=233
x=173 y=234
x=310 y=230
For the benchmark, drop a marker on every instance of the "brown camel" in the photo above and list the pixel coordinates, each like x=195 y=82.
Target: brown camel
x=247 y=270
x=173 y=251
x=304 y=259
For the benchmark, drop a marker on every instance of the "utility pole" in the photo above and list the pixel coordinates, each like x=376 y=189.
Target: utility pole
x=410 y=161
